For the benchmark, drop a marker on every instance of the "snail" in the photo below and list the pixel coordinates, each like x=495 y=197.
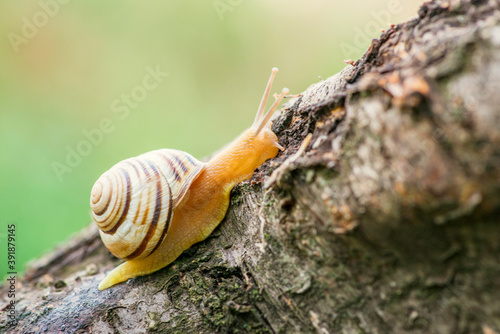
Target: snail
x=151 y=208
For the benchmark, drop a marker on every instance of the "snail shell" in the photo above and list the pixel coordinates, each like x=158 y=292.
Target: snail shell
x=133 y=202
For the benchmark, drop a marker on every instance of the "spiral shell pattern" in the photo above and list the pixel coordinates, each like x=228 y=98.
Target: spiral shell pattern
x=133 y=202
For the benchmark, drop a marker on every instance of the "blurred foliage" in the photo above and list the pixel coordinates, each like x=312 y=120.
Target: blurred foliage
x=64 y=63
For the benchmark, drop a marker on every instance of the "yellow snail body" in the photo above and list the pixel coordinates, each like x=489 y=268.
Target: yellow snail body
x=151 y=208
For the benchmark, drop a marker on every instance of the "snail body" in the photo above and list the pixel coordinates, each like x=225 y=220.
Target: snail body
x=151 y=208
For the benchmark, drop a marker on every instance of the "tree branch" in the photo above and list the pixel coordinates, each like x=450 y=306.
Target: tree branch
x=386 y=223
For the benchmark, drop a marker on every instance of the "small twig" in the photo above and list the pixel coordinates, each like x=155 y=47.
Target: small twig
x=276 y=175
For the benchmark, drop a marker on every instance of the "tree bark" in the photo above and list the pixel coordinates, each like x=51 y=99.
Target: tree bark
x=386 y=222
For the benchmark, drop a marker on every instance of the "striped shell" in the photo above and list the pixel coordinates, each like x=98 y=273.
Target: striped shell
x=133 y=202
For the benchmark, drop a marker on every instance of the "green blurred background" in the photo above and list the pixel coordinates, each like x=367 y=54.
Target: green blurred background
x=64 y=63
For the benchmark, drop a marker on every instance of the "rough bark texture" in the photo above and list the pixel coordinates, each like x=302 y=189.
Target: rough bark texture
x=387 y=223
